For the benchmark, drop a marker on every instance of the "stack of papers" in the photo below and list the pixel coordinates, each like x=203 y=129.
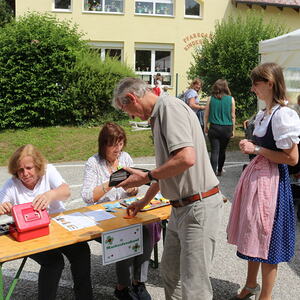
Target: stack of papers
x=79 y=220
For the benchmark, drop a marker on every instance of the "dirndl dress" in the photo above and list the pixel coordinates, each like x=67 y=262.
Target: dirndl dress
x=282 y=243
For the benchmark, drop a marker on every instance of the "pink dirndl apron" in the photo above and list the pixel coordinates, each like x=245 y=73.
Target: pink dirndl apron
x=253 y=208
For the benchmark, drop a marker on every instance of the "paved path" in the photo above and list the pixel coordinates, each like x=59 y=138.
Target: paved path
x=228 y=272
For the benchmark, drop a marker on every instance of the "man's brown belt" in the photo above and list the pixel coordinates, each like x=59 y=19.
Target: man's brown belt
x=194 y=198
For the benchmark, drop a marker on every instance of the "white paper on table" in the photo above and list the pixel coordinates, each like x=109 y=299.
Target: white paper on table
x=74 y=221
x=99 y=215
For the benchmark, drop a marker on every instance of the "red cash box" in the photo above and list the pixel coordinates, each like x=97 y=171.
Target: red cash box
x=29 y=223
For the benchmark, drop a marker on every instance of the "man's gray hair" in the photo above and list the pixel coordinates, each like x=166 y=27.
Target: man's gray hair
x=136 y=86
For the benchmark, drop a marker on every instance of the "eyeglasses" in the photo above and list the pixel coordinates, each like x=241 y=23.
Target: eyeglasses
x=117 y=144
x=122 y=105
x=259 y=79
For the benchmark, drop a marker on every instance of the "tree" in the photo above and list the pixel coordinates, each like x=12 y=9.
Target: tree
x=35 y=54
x=49 y=77
x=231 y=52
x=6 y=14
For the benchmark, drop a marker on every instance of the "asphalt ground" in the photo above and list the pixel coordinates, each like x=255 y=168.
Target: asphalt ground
x=228 y=272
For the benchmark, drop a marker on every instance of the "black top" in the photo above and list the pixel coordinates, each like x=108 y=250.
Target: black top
x=267 y=141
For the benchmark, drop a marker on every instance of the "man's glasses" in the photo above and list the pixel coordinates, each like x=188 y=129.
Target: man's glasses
x=122 y=107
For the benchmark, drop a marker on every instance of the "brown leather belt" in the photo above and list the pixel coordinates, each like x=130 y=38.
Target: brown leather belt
x=194 y=198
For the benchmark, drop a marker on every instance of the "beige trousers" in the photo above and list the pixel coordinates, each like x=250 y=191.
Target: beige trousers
x=189 y=249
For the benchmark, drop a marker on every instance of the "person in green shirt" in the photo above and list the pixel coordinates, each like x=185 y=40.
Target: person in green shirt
x=220 y=114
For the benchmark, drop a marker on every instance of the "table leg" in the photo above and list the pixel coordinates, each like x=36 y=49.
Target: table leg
x=164 y=227
x=154 y=262
x=1 y=284
x=14 y=282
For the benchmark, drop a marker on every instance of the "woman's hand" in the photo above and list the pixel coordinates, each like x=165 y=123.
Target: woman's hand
x=42 y=201
x=131 y=191
x=246 y=146
x=5 y=208
x=206 y=130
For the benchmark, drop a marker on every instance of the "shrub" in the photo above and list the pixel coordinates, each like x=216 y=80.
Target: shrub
x=36 y=53
x=90 y=86
x=6 y=14
x=49 y=76
x=231 y=53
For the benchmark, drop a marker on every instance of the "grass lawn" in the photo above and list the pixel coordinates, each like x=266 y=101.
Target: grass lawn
x=62 y=144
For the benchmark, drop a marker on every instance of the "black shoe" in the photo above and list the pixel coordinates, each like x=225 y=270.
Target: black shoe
x=141 y=292
x=125 y=294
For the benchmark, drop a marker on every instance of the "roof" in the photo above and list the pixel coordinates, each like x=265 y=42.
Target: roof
x=283 y=43
x=295 y=4
x=284 y=50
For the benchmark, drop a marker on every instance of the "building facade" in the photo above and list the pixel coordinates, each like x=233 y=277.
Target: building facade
x=154 y=36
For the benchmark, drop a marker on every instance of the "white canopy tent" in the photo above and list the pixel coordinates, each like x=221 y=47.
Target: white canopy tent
x=285 y=51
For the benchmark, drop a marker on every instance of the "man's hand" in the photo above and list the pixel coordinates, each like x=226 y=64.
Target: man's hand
x=136 y=179
x=5 y=208
x=41 y=201
x=136 y=206
x=246 y=146
x=245 y=124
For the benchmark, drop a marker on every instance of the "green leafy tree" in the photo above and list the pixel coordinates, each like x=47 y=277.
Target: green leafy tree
x=231 y=53
x=36 y=53
x=49 y=76
x=6 y=14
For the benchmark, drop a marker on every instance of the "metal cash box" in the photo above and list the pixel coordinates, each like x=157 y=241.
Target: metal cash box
x=29 y=223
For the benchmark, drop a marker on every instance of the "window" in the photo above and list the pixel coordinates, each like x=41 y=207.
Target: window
x=62 y=4
x=192 y=8
x=115 y=53
x=105 y=49
x=107 y=6
x=149 y=62
x=154 y=7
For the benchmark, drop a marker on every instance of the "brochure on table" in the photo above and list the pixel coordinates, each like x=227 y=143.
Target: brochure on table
x=156 y=202
x=79 y=220
x=122 y=243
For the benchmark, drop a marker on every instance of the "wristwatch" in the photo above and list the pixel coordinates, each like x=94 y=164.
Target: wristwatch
x=152 y=179
x=256 y=149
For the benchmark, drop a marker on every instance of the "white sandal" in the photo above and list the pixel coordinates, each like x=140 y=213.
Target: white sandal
x=252 y=292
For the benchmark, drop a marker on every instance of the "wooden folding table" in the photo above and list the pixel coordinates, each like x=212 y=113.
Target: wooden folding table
x=10 y=249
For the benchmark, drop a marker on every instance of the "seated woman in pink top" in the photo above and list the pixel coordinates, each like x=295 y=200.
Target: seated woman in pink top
x=262 y=222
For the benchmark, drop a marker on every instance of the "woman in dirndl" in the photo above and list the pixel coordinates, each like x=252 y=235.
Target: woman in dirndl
x=262 y=222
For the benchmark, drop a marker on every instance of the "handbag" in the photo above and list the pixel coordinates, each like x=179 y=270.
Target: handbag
x=154 y=232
